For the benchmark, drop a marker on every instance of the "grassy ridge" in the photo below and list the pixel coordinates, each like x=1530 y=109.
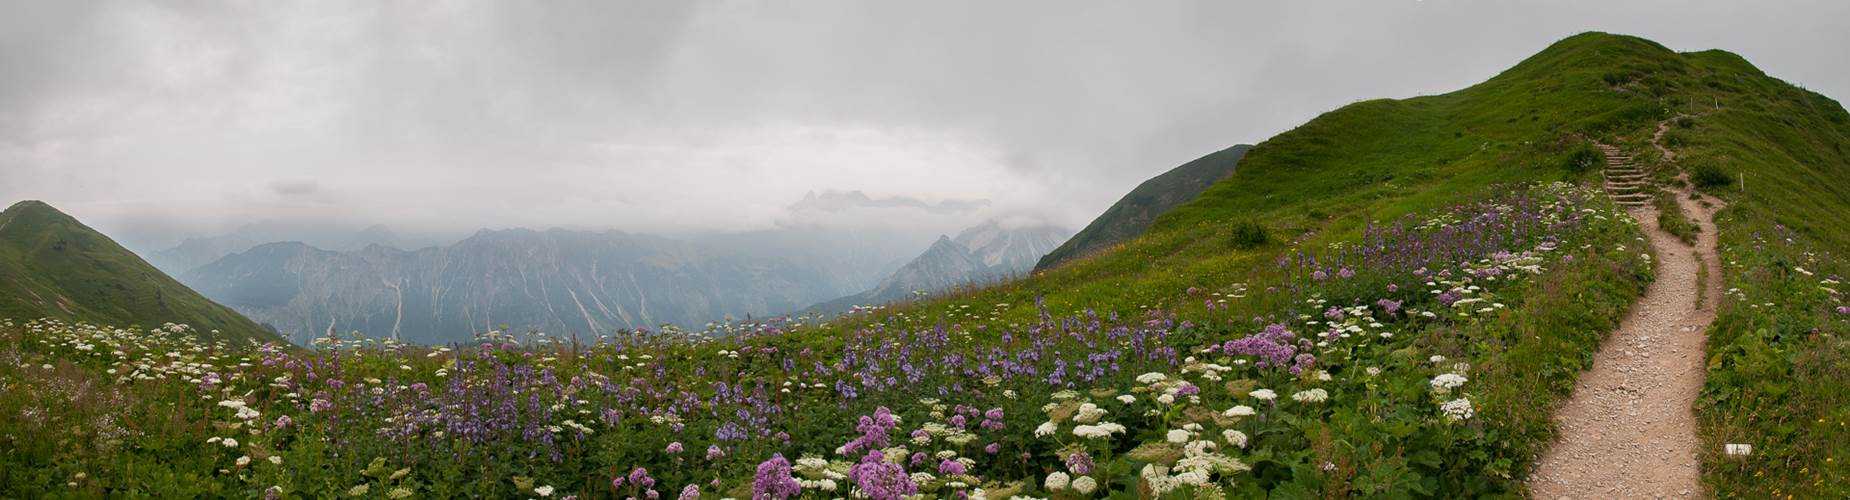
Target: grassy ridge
x=1775 y=152
x=52 y=266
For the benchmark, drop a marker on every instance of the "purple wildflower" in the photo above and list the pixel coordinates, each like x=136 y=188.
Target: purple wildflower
x=882 y=480
x=691 y=492
x=1333 y=313
x=773 y=481
x=1450 y=296
x=1080 y=463
x=1392 y=307
x=674 y=448
x=993 y=448
x=283 y=422
x=714 y=453
x=1272 y=346
x=319 y=405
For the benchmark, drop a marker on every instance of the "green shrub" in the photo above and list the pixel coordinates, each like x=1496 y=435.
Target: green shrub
x=1709 y=176
x=1582 y=158
x=1249 y=235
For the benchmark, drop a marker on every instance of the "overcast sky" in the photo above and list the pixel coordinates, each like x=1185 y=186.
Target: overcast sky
x=156 y=120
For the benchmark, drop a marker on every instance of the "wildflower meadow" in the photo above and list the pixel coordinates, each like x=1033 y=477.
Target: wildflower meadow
x=1419 y=357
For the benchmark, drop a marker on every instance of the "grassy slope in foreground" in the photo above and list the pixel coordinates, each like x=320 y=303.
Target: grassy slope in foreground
x=52 y=266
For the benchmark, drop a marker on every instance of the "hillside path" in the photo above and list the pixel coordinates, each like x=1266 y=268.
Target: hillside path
x=1629 y=430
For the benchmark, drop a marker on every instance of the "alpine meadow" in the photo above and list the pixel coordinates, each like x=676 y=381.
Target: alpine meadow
x=1612 y=270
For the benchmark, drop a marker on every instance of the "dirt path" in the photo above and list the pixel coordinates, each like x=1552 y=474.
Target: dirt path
x=1628 y=431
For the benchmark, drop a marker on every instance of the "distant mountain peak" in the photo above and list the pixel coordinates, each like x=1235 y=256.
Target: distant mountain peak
x=986 y=252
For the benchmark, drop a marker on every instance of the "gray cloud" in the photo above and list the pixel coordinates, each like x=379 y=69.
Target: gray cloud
x=838 y=201
x=155 y=120
x=295 y=186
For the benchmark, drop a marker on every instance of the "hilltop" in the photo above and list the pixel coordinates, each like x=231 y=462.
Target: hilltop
x=52 y=266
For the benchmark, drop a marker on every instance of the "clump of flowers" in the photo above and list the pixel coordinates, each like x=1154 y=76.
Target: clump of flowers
x=773 y=480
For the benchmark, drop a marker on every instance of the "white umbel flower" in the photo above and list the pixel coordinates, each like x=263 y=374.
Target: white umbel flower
x=1056 y=481
x=1085 y=485
x=1239 y=411
x=1458 y=409
x=1235 y=438
x=1263 y=395
x=1311 y=396
x=1444 y=383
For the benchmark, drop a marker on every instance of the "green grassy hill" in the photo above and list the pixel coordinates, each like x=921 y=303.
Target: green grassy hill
x=52 y=266
x=1320 y=184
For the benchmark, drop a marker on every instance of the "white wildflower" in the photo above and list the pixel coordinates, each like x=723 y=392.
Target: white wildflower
x=1444 y=383
x=1056 y=481
x=1235 y=438
x=1458 y=409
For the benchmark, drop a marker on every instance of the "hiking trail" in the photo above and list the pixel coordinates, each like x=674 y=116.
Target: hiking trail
x=1629 y=430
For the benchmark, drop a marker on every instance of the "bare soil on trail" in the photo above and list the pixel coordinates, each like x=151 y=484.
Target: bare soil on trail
x=1629 y=430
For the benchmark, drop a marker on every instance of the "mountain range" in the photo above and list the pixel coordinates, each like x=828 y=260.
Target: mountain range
x=978 y=255
x=559 y=281
x=197 y=251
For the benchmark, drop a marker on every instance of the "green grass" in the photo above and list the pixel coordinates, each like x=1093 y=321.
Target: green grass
x=1671 y=219
x=52 y=266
